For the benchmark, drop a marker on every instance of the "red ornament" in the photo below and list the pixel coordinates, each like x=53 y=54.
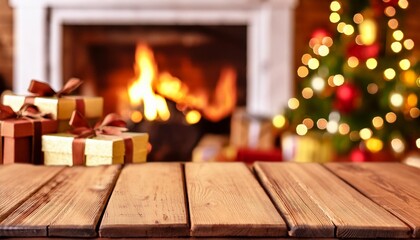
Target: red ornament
x=359 y=155
x=347 y=98
x=320 y=33
x=363 y=52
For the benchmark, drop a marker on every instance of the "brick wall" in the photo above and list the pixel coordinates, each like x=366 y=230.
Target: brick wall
x=6 y=45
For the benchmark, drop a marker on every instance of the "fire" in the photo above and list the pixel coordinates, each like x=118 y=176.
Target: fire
x=150 y=89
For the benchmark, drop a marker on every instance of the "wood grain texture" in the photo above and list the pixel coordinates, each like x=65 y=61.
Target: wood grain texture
x=394 y=186
x=354 y=215
x=19 y=181
x=68 y=205
x=148 y=201
x=303 y=216
x=226 y=200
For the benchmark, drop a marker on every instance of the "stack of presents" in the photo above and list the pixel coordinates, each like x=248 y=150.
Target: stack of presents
x=55 y=128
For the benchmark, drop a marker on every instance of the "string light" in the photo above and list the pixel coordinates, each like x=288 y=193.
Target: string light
x=412 y=100
x=343 y=128
x=327 y=41
x=389 y=11
x=309 y=123
x=374 y=145
x=418 y=143
x=408 y=44
x=398 y=35
x=391 y=117
x=396 y=100
x=338 y=80
x=368 y=31
x=414 y=112
x=318 y=83
x=193 y=117
x=335 y=6
x=397 y=144
x=405 y=64
x=334 y=17
x=293 y=103
x=302 y=71
x=403 y=4
x=378 y=122
x=340 y=27
x=358 y=18
x=313 y=63
x=354 y=136
x=348 y=29
x=301 y=129
x=371 y=63
x=372 y=88
x=389 y=74
x=307 y=93
x=322 y=123
x=396 y=47
x=393 y=23
x=279 y=121
x=352 y=62
x=323 y=50
x=365 y=133
x=332 y=127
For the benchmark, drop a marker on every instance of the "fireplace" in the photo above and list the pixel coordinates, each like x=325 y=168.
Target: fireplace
x=260 y=59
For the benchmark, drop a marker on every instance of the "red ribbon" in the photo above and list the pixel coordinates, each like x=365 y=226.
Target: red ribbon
x=31 y=113
x=43 y=89
x=112 y=124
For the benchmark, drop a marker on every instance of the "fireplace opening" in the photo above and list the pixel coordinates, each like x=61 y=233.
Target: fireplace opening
x=176 y=82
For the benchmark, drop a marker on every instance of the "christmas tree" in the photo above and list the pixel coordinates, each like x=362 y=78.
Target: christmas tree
x=361 y=84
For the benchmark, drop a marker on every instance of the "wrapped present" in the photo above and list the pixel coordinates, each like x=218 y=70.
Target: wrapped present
x=104 y=144
x=21 y=134
x=58 y=104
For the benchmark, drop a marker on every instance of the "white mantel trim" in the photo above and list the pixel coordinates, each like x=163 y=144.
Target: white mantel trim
x=270 y=30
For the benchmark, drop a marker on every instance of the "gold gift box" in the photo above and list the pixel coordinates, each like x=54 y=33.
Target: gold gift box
x=60 y=108
x=99 y=150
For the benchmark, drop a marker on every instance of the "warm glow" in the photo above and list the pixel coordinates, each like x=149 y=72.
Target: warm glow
x=412 y=100
x=403 y=4
x=371 y=63
x=343 y=128
x=352 y=62
x=327 y=41
x=398 y=35
x=390 y=11
x=340 y=27
x=358 y=18
x=378 y=122
x=389 y=74
x=332 y=127
x=309 y=123
x=372 y=88
x=323 y=50
x=279 y=121
x=338 y=80
x=408 y=44
x=301 y=129
x=335 y=6
x=293 y=103
x=305 y=58
x=348 y=29
x=396 y=100
x=396 y=47
x=414 y=112
x=302 y=71
x=318 y=83
x=313 y=63
x=307 y=93
x=368 y=31
x=374 y=145
x=393 y=23
x=397 y=145
x=192 y=117
x=391 y=117
x=405 y=64
x=418 y=143
x=136 y=116
x=322 y=123
x=334 y=17
x=365 y=133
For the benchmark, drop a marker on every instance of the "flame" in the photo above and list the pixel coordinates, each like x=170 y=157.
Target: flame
x=150 y=88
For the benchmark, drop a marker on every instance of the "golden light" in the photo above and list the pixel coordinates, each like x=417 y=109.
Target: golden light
x=313 y=42
x=412 y=100
x=322 y=123
x=418 y=143
x=301 y=129
x=371 y=63
x=327 y=41
x=323 y=50
x=334 y=17
x=389 y=74
x=409 y=77
x=313 y=63
x=318 y=84
x=315 y=48
x=372 y=88
x=405 y=64
x=332 y=127
x=192 y=117
x=338 y=80
x=396 y=47
x=389 y=11
x=374 y=145
x=309 y=123
x=418 y=82
x=398 y=35
x=391 y=117
x=354 y=136
x=365 y=133
x=307 y=93
x=293 y=103
x=348 y=29
x=302 y=71
x=279 y=121
x=358 y=40
x=378 y=122
x=358 y=18
x=396 y=100
x=398 y=145
x=340 y=27
x=343 y=128
x=352 y=62
x=393 y=23
x=368 y=31
x=403 y=4
x=136 y=116
x=305 y=58
x=414 y=112
x=408 y=44
x=330 y=81
x=335 y=6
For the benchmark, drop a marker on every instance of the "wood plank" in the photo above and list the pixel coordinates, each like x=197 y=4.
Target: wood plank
x=68 y=205
x=393 y=186
x=226 y=200
x=353 y=215
x=19 y=181
x=148 y=201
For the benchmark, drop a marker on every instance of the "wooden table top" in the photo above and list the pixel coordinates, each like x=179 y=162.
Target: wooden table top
x=334 y=200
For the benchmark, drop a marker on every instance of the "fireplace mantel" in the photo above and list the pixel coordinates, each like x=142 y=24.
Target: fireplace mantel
x=38 y=37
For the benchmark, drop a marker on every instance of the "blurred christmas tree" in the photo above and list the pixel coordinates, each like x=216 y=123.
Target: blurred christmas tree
x=360 y=85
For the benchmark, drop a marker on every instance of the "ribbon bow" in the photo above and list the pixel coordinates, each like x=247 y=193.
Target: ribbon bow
x=112 y=124
x=44 y=89
x=26 y=111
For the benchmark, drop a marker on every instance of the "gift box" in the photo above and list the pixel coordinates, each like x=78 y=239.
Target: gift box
x=22 y=139
x=60 y=149
x=60 y=108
